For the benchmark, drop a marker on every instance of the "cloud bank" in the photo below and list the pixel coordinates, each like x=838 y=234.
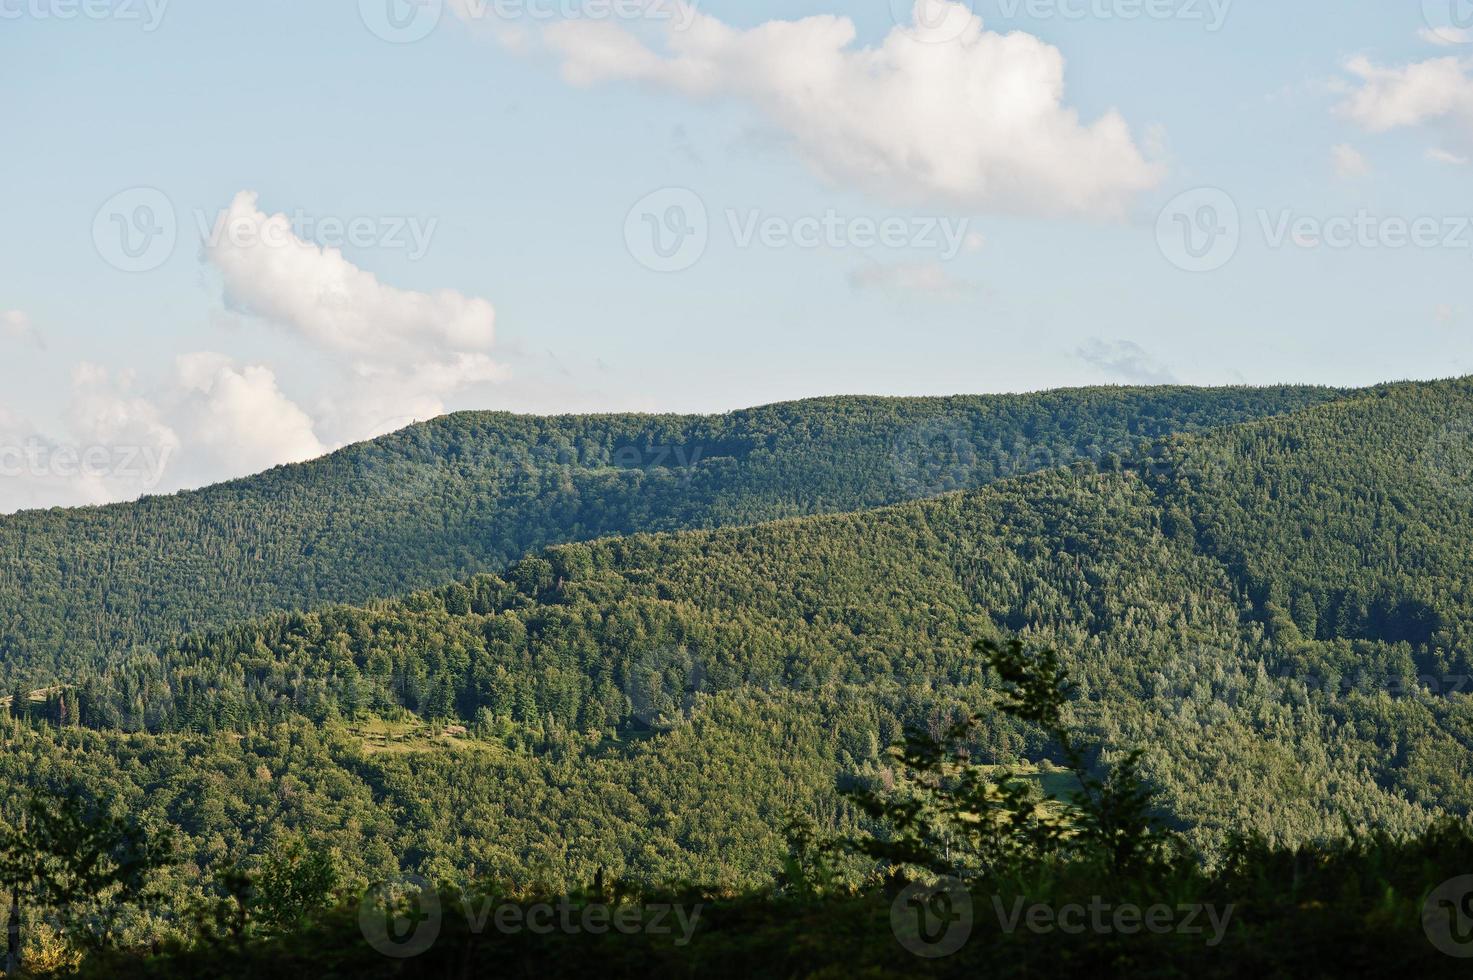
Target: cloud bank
x=399 y=353
x=941 y=111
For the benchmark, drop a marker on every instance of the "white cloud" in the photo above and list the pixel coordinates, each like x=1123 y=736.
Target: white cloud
x=1445 y=37
x=378 y=398
x=397 y=355
x=209 y=420
x=1439 y=155
x=17 y=326
x=1125 y=361
x=113 y=444
x=978 y=123
x=36 y=472
x=1414 y=94
x=106 y=410
x=1348 y=162
x=237 y=421
x=270 y=272
x=400 y=353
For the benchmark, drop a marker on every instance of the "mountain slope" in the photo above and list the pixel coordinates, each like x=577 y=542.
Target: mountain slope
x=656 y=705
x=472 y=492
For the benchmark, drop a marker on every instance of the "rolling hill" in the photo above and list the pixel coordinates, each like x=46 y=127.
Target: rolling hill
x=1277 y=612
x=472 y=492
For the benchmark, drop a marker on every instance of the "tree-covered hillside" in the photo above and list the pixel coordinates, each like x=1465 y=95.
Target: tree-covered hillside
x=472 y=492
x=658 y=705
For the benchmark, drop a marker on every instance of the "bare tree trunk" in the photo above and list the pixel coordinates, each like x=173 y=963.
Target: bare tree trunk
x=12 y=935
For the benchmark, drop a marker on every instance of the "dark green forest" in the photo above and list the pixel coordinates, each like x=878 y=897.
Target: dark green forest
x=1264 y=601
x=473 y=492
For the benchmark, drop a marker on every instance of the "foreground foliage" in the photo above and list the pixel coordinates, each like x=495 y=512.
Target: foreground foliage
x=1361 y=906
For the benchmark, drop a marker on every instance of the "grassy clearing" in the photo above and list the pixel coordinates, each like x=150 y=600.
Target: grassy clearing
x=410 y=734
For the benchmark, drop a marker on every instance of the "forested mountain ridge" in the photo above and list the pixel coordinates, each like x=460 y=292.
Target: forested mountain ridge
x=472 y=492
x=1278 y=612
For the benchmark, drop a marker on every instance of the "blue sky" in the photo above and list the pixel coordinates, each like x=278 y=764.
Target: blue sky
x=500 y=164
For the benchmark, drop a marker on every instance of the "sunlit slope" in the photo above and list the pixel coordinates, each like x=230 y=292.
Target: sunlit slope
x=471 y=492
x=674 y=695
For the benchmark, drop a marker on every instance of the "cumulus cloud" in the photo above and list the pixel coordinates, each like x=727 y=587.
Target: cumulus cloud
x=106 y=409
x=398 y=353
x=38 y=471
x=978 y=123
x=111 y=444
x=1410 y=95
x=236 y=420
x=270 y=272
x=1445 y=37
x=1348 y=162
x=395 y=355
x=380 y=398
x=1126 y=361
x=207 y=420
